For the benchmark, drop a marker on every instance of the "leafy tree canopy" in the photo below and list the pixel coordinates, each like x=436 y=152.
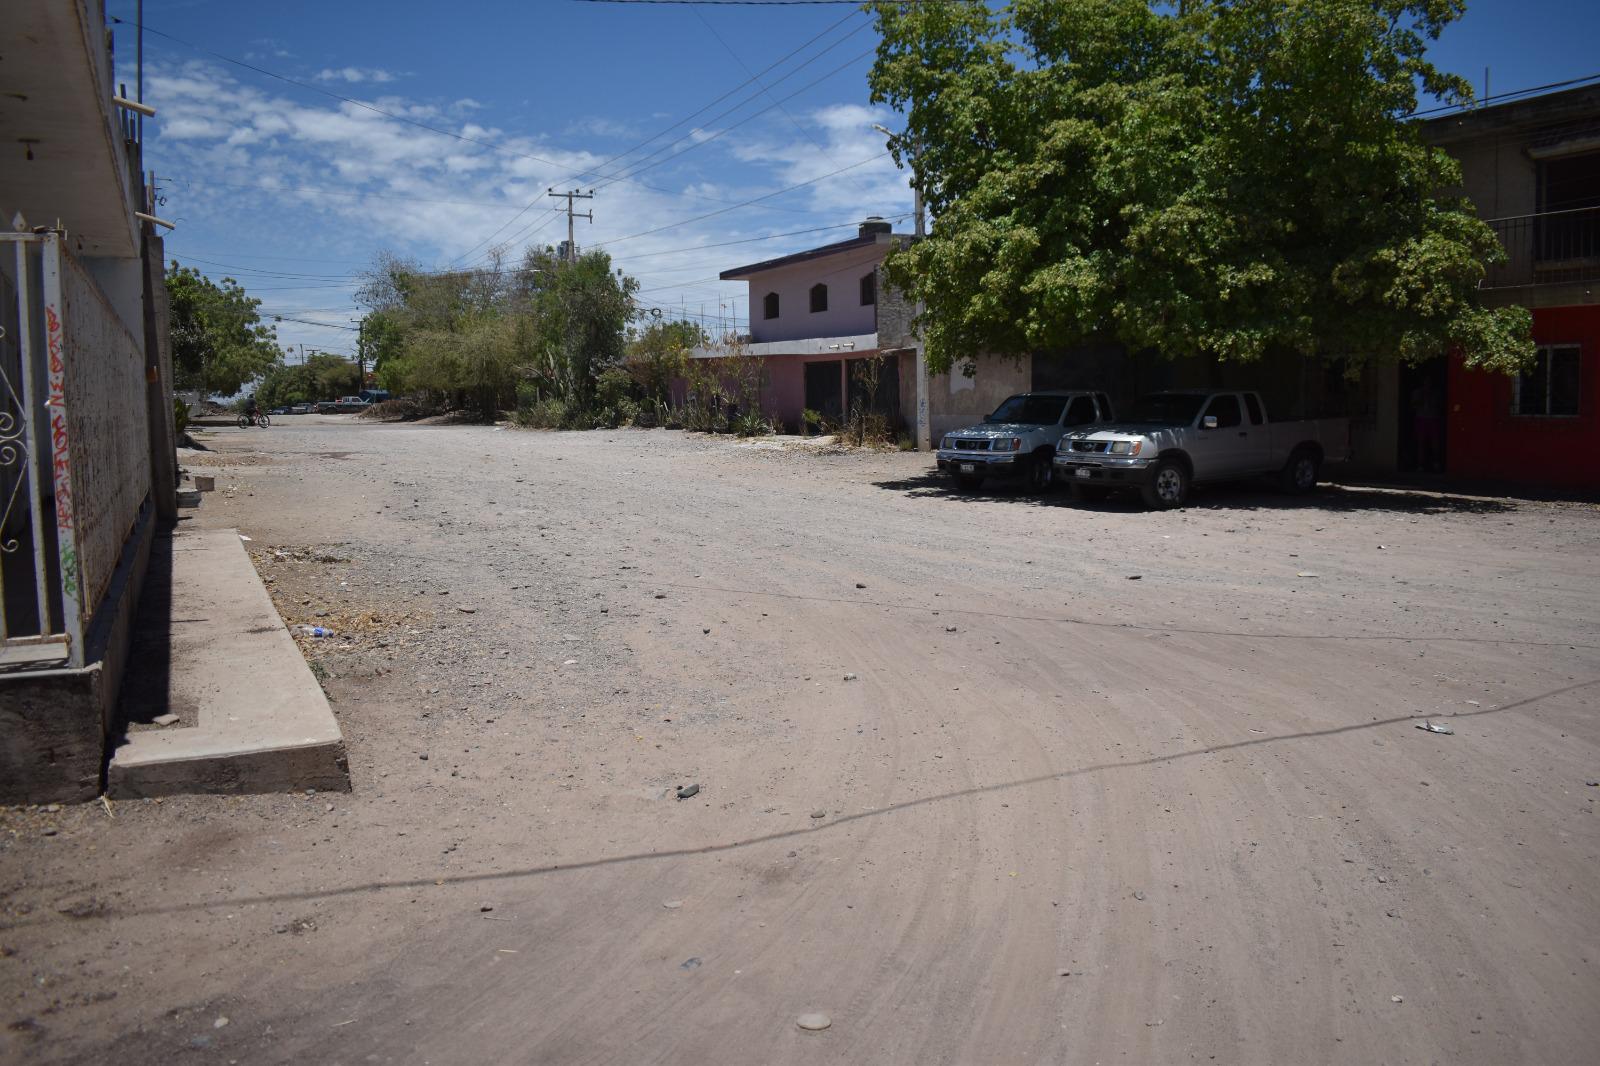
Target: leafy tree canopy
x=219 y=342
x=321 y=377
x=1229 y=179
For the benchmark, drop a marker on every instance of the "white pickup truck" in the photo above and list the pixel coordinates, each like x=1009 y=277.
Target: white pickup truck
x=1019 y=439
x=1172 y=440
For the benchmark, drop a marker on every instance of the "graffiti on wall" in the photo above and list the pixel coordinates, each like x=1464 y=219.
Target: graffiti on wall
x=60 y=449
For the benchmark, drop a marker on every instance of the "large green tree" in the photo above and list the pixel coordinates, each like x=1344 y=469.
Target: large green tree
x=1227 y=179
x=219 y=342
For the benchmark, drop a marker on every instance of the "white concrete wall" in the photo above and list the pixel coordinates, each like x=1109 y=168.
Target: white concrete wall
x=956 y=401
x=845 y=316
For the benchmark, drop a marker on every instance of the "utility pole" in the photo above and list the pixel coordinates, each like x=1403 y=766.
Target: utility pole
x=572 y=247
x=361 y=354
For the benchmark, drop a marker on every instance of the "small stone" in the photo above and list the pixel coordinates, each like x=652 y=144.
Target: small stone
x=328 y=809
x=52 y=808
x=686 y=791
x=1397 y=999
x=485 y=910
x=673 y=904
x=1307 y=573
x=1138 y=895
x=1593 y=784
x=220 y=1022
x=165 y=719
x=467 y=610
x=859 y=585
x=689 y=964
x=849 y=677
x=949 y=629
x=1135 y=577
x=1063 y=973
x=819 y=814
x=423 y=757
x=1382 y=880
x=705 y=629
x=814 y=1023
x=661 y=595
x=49 y=831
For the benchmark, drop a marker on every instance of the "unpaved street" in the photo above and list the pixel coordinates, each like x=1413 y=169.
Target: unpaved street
x=984 y=779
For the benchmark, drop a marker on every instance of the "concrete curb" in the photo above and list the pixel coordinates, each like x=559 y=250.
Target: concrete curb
x=255 y=719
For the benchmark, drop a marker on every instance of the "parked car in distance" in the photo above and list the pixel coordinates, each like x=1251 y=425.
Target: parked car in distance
x=281 y=411
x=301 y=409
x=1172 y=440
x=1020 y=438
x=343 y=405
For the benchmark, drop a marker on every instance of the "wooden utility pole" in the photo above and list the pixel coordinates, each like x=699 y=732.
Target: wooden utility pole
x=572 y=247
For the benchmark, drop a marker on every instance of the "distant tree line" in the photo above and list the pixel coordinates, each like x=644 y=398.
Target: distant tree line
x=557 y=343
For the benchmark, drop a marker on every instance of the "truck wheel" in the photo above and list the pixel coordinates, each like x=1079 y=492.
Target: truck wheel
x=1168 y=486
x=1301 y=472
x=969 y=482
x=1040 y=472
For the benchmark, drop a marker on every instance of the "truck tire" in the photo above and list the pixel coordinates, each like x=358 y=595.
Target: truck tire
x=1041 y=475
x=1300 y=473
x=1168 y=486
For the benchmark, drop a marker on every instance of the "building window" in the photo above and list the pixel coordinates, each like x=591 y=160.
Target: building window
x=869 y=289
x=769 y=306
x=819 y=298
x=1549 y=388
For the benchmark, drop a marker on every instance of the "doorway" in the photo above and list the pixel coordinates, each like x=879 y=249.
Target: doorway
x=1424 y=399
x=825 y=389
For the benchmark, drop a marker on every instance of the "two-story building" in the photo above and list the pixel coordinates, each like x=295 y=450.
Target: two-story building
x=816 y=314
x=1532 y=168
x=87 y=464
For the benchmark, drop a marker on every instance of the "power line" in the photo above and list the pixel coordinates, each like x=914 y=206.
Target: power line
x=378 y=110
x=640 y=166
x=747 y=203
x=598 y=169
x=1507 y=95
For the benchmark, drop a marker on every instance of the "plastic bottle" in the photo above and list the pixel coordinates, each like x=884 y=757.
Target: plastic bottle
x=314 y=631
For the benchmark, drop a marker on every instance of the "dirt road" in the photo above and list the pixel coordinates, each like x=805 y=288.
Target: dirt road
x=984 y=779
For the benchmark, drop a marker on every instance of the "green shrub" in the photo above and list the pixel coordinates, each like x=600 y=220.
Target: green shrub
x=180 y=417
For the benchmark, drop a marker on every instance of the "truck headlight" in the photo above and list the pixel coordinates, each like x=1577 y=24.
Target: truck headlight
x=1006 y=444
x=947 y=443
x=1127 y=447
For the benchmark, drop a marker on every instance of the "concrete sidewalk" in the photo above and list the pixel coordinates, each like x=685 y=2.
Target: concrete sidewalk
x=252 y=717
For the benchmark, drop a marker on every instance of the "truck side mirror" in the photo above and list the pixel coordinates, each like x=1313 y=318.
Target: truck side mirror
x=1209 y=422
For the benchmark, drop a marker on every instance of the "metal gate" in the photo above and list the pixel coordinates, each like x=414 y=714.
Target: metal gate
x=73 y=449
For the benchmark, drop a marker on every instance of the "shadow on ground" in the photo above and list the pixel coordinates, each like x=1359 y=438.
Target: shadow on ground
x=1243 y=496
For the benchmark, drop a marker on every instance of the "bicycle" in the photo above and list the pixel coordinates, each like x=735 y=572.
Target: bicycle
x=261 y=419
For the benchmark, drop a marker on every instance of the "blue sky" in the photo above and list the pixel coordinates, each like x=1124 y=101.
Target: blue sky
x=293 y=191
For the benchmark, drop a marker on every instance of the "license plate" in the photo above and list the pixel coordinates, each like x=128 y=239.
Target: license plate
x=1083 y=471
x=968 y=468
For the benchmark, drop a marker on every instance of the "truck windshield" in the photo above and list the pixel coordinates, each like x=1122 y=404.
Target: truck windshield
x=1167 y=408
x=1030 y=410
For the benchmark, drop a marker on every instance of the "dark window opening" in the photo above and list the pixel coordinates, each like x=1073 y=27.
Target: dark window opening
x=1548 y=388
x=819 y=298
x=869 y=289
x=769 y=306
x=1226 y=410
x=1253 y=405
x=1080 y=412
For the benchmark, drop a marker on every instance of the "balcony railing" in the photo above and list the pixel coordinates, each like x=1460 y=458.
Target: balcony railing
x=1551 y=248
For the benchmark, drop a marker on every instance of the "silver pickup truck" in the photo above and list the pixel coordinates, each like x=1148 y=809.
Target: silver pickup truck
x=1019 y=439
x=1172 y=440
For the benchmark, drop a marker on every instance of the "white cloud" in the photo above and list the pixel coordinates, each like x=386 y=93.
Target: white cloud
x=355 y=75
x=280 y=175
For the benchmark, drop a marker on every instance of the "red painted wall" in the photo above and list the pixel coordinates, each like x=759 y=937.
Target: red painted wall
x=1487 y=441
